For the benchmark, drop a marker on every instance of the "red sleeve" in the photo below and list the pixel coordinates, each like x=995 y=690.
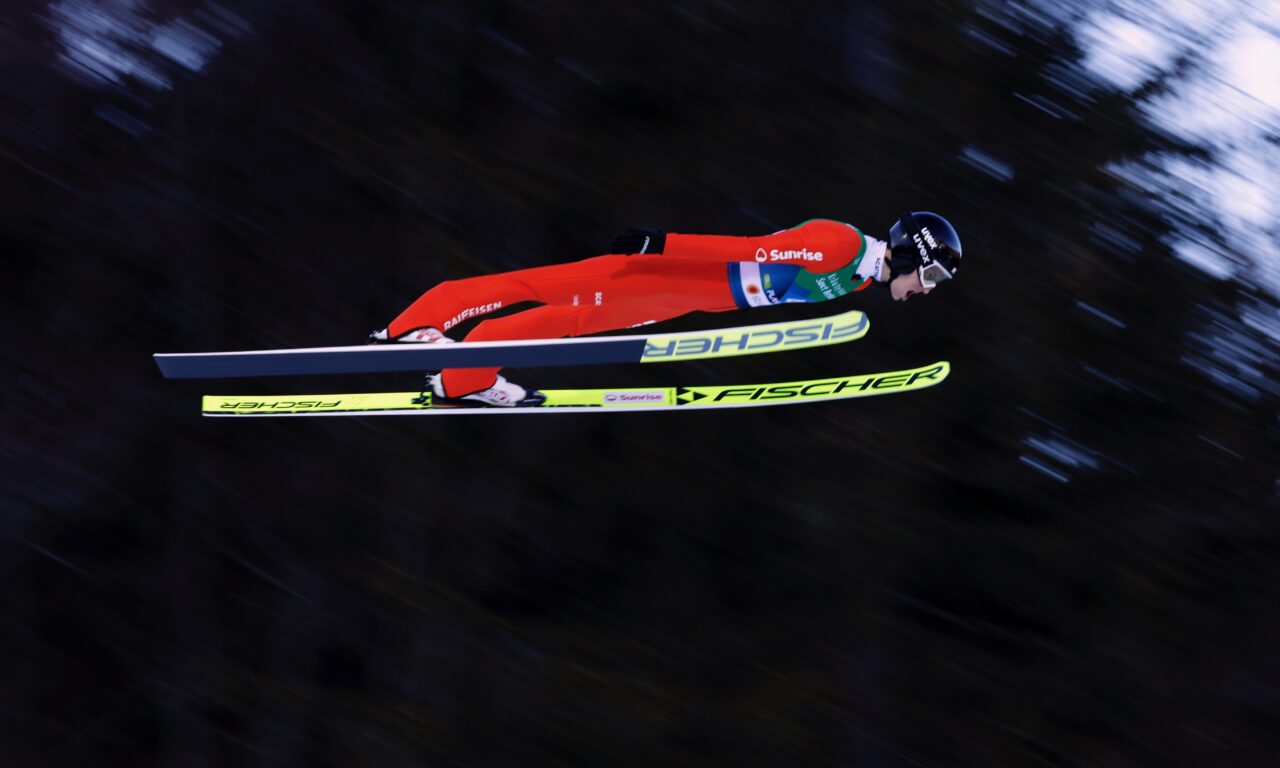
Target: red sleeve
x=819 y=246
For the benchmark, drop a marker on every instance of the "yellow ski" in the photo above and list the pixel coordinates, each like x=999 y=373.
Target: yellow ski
x=624 y=400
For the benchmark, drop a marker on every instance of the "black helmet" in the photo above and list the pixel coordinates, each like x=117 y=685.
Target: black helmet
x=926 y=242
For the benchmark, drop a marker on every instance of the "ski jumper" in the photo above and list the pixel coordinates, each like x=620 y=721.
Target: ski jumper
x=815 y=261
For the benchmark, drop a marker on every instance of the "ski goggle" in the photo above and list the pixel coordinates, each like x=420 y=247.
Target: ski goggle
x=932 y=273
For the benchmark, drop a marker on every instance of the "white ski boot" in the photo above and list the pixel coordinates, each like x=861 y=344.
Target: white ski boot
x=503 y=394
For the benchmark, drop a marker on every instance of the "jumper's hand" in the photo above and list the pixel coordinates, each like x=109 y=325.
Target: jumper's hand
x=639 y=240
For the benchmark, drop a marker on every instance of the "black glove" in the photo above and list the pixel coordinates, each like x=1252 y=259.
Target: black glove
x=639 y=240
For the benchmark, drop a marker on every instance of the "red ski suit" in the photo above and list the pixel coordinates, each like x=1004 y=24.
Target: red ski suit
x=815 y=261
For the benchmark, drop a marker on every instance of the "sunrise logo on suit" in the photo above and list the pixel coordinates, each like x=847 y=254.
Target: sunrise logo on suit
x=804 y=254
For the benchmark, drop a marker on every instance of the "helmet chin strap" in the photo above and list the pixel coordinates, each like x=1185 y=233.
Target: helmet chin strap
x=899 y=264
x=902 y=261
x=898 y=267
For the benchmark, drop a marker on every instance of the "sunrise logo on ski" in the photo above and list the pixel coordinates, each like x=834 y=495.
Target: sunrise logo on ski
x=682 y=398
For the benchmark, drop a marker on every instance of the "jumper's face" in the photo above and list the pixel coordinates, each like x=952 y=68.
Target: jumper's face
x=905 y=286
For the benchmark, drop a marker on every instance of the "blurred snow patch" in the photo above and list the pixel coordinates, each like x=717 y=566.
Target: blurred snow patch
x=184 y=44
x=1125 y=53
x=111 y=41
x=1252 y=63
x=1205 y=257
x=987 y=164
x=1055 y=455
x=1242 y=357
x=1218 y=66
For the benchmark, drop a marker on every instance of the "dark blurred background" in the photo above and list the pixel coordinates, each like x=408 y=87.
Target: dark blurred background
x=1065 y=555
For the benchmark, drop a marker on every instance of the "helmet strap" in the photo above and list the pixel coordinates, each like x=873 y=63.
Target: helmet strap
x=904 y=260
x=901 y=264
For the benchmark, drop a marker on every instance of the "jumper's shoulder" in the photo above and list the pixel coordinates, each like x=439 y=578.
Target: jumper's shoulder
x=837 y=228
x=821 y=222
x=838 y=243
